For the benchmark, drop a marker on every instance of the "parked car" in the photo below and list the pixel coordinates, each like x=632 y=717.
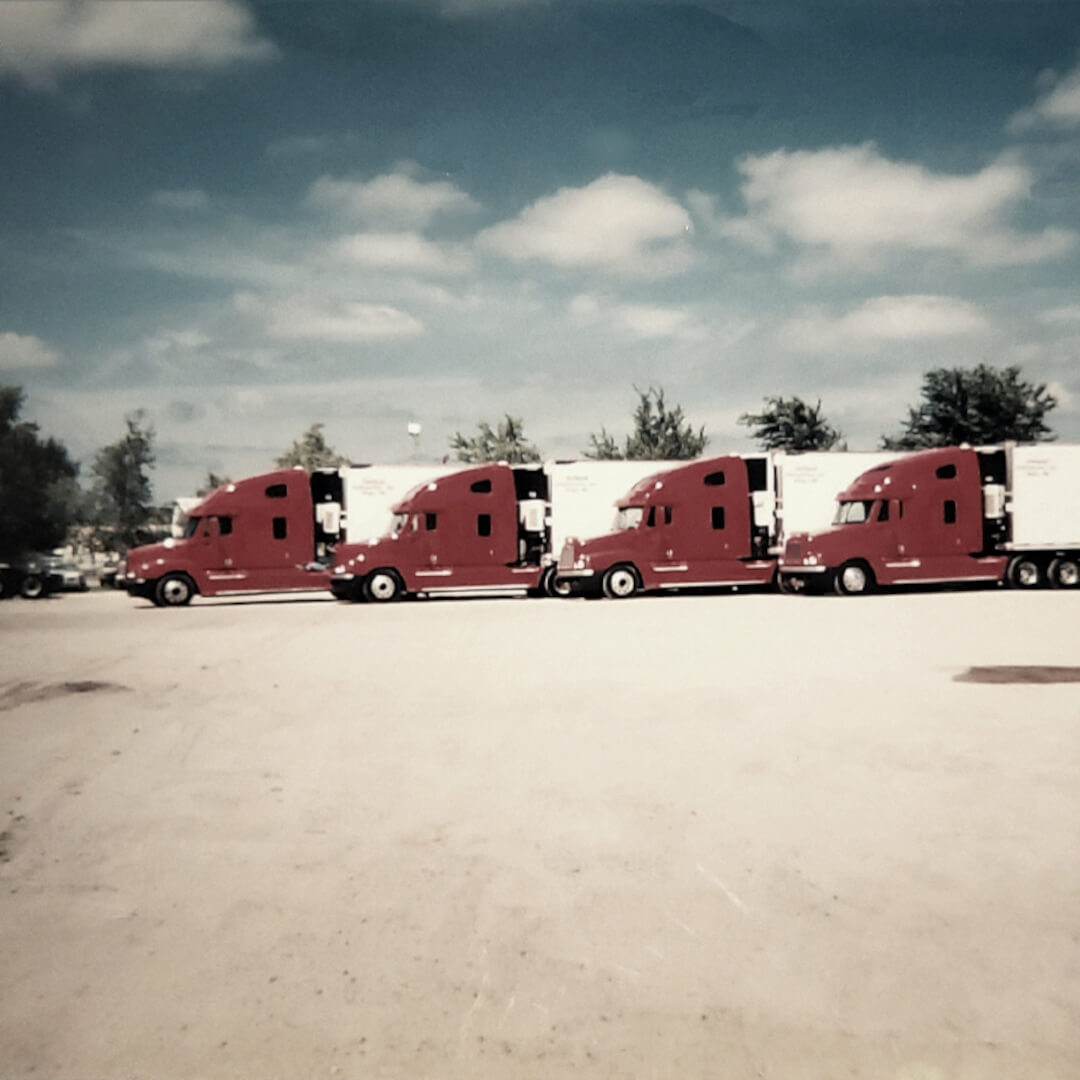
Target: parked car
x=72 y=579
x=32 y=580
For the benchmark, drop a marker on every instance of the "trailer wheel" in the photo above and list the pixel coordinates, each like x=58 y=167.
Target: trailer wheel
x=620 y=582
x=1024 y=573
x=1064 y=573
x=32 y=587
x=382 y=587
x=173 y=590
x=853 y=579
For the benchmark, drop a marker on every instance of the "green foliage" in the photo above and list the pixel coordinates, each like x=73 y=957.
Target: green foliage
x=659 y=433
x=311 y=451
x=792 y=424
x=122 y=508
x=38 y=492
x=211 y=482
x=505 y=443
x=979 y=405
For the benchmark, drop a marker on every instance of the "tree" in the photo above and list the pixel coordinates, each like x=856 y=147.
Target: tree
x=977 y=405
x=792 y=424
x=659 y=433
x=311 y=451
x=505 y=443
x=122 y=488
x=211 y=482
x=38 y=492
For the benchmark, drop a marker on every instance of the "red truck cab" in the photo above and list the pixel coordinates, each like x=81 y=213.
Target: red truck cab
x=255 y=535
x=919 y=519
x=481 y=530
x=689 y=527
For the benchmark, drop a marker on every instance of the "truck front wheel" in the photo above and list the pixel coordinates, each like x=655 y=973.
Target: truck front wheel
x=173 y=590
x=550 y=585
x=1064 y=573
x=853 y=579
x=620 y=582
x=1024 y=573
x=382 y=587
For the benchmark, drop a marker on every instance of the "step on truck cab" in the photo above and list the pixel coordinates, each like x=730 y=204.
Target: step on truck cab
x=956 y=514
x=275 y=532
x=486 y=530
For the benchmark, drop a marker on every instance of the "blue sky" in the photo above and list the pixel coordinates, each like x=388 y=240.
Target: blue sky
x=248 y=217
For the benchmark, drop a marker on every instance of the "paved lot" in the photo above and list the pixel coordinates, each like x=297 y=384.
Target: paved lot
x=729 y=836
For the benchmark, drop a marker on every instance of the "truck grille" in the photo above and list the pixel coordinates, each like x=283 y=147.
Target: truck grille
x=566 y=557
x=793 y=549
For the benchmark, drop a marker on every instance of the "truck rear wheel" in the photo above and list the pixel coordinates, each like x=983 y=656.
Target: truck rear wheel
x=853 y=579
x=1024 y=573
x=620 y=582
x=382 y=587
x=1064 y=573
x=173 y=590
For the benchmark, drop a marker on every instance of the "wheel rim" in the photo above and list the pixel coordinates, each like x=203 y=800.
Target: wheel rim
x=622 y=583
x=32 y=588
x=853 y=579
x=1027 y=574
x=175 y=591
x=383 y=587
x=1069 y=574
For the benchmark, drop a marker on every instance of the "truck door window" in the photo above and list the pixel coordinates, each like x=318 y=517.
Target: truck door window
x=430 y=522
x=717 y=517
x=949 y=511
x=667 y=515
x=483 y=524
x=191 y=528
x=280 y=528
x=651 y=519
x=224 y=523
x=883 y=513
x=277 y=491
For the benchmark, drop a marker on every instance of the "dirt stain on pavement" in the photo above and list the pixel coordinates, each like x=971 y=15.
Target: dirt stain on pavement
x=1017 y=673
x=14 y=694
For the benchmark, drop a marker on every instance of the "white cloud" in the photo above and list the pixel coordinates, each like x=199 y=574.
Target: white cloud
x=883 y=320
x=405 y=252
x=1058 y=106
x=616 y=223
x=1064 y=315
x=641 y=321
x=18 y=351
x=181 y=199
x=42 y=40
x=394 y=200
x=299 y=319
x=859 y=207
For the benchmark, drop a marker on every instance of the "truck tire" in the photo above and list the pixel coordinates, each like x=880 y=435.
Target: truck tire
x=32 y=587
x=620 y=582
x=1064 y=572
x=1024 y=573
x=173 y=590
x=382 y=587
x=550 y=584
x=853 y=579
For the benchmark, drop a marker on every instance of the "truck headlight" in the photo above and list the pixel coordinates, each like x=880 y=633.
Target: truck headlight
x=339 y=569
x=581 y=562
x=811 y=560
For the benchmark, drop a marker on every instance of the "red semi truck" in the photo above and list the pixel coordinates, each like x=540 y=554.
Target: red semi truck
x=710 y=523
x=270 y=533
x=487 y=530
x=1008 y=513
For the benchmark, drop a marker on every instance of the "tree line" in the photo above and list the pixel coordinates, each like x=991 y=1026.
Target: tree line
x=42 y=503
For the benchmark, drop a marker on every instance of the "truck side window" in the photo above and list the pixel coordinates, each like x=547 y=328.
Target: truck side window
x=277 y=491
x=946 y=472
x=651 y=519
x=481 y=487
x=483 y=524
x=430 y=522
x=717 y=517
x=714 y=479
x=950 y=512
x=280 y=528
x=883 y=513
x=224 y=525
x=667 y=515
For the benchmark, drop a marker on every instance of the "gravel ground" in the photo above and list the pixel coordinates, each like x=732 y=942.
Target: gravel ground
x=701 y=836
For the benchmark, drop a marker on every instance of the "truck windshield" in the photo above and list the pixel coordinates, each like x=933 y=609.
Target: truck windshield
x=398 y=523
x=627 y=517
x=853 y=513
x=191 y=527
